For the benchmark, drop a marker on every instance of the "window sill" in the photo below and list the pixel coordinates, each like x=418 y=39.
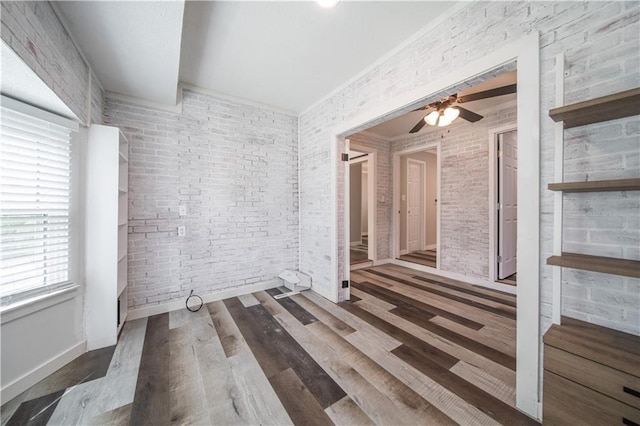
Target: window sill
x=37 y=303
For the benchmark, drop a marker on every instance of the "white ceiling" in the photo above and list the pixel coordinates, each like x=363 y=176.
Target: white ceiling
x=401 y=125
x=285 y=54
x=133 y=47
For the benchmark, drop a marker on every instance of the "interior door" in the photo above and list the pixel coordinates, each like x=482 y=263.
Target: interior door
x=414 y=205
x=508 y=202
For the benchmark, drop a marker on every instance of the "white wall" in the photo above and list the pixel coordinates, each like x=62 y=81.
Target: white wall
x=432 y=200
x=383 y=199
x=234 y=167
x=41 y=337
x=355 y=202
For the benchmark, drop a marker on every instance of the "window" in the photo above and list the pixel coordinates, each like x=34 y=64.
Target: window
x=35 y=200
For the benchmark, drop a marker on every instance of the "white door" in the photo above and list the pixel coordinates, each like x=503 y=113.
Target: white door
x=414 y=205
x=508 y=203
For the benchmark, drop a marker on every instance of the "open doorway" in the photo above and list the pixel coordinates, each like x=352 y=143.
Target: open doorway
x=503 y=182
x=418 y=210
x=358 y=207
x=526 y=334
x=362 y=210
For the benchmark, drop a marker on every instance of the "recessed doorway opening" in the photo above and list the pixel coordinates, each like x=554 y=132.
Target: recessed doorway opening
x=418 y=207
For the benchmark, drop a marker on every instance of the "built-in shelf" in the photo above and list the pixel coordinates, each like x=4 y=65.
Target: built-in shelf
x=611 y=107
x=607 y=265
x=106 y=235
x=597 y=186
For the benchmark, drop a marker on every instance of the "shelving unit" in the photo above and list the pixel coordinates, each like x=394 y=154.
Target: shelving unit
x=618 y=105
x=106 y=235
x=607 y=265
x=591 y=375
x=611 y=107
x=597 y=186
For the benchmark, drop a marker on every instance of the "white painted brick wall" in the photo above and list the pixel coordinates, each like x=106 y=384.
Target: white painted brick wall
x=383 y=186
x=235 y=168
x=464 y=186
x=601 y=41
x=33 y=31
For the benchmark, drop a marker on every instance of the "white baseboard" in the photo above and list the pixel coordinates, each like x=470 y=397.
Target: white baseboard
x=146 y=311
x=403 y=252
x=23 y=383
x=456 y=276
x=361 y=265
x=355 y=243
x=430 y=247
x=381 y=262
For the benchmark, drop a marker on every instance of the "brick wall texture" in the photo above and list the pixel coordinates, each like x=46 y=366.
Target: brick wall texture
x=601 y=42
x=235 y=168
x=34 y=32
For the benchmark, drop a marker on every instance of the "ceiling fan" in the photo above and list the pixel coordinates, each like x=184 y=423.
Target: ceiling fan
x=447 y=109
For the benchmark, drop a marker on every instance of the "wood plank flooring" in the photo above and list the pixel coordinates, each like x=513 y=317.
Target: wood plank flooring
x=409 y=348
x=422 y=257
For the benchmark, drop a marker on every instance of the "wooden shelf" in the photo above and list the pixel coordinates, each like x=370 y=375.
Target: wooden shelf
x=607 y=265
x=618 y=105
x=597 y=186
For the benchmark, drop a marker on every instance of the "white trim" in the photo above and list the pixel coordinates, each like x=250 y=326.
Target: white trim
x=146 y=311
x=455 y=276
x=29 y=379
x=430 y=247
x=526 y=52
x=403 y=252
x=361 y=265
x=355 y=243
x=236 y=99
x=40 y=114
x=176 y=109
x=440 y=19
x=493 y=187
x=346 y=181
x=558 y=176
x=37 y=303
x=528 y=390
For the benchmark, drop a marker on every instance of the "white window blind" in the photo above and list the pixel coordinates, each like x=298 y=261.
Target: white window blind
x=35 y=191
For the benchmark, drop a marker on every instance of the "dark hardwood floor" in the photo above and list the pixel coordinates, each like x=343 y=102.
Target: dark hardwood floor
x=409 y=348
x=422 y=257
x=359 y=253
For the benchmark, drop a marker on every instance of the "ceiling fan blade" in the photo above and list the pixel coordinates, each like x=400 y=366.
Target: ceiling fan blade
x=418 y=126
x=468 y=115
x=498 y=91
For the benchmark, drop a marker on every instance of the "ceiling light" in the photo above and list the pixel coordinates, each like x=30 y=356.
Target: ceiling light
x=432 y=118
x=327 y=3
x=442 y=118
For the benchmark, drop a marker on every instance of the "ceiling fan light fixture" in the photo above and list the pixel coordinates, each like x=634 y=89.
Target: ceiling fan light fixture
x=327 y=3
x=446 y=116
x=432 y=118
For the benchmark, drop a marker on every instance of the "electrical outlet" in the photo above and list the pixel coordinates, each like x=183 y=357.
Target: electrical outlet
x=183 y=210
x=345 y=284
x=182 y=231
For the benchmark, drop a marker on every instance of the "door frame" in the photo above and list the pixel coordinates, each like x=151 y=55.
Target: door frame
x=423 y=185
x=493 y=196
x=372 y=192
x=525 y=51
x=395 y=228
